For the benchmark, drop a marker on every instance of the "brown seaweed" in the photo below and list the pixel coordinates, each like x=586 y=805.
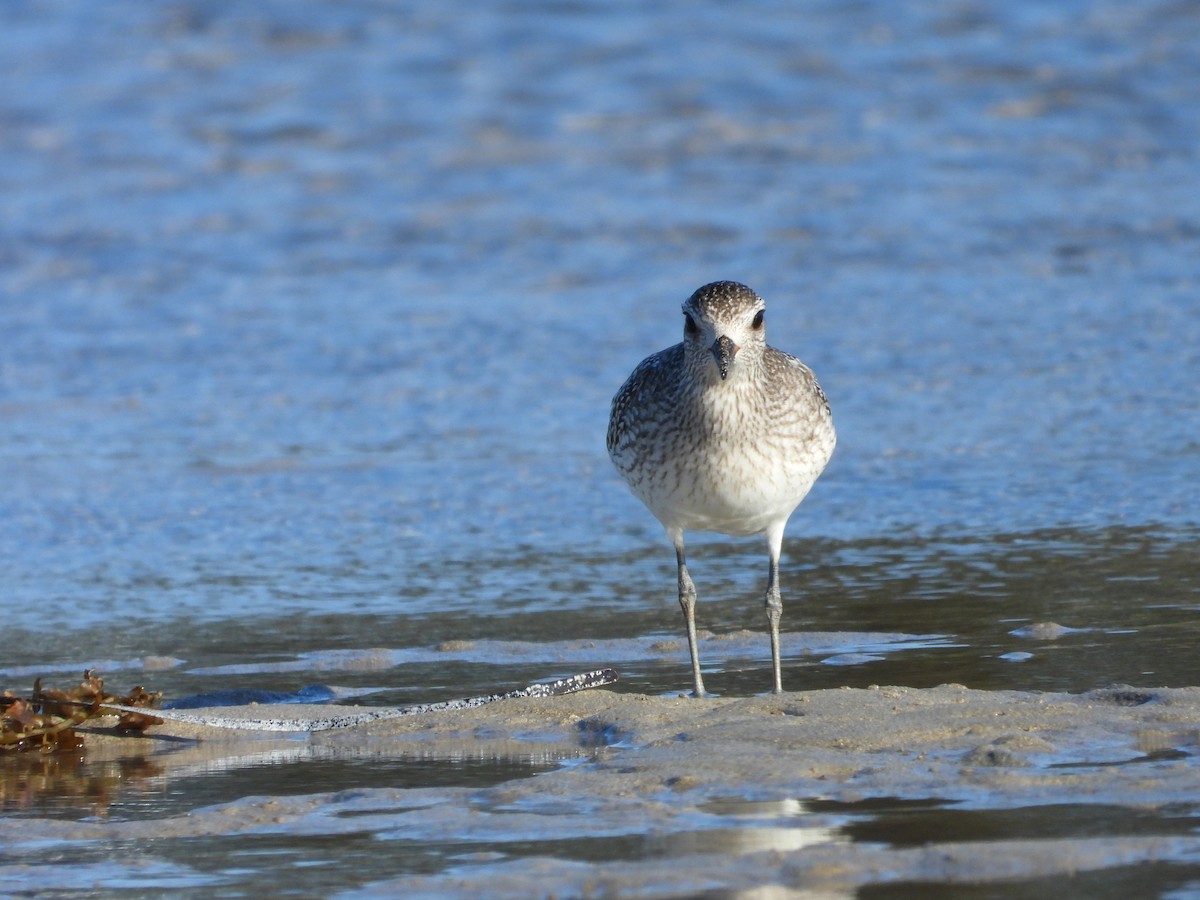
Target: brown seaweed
x=46 y=722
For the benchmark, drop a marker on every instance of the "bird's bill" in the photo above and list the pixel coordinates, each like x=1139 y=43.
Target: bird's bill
x=724 y=350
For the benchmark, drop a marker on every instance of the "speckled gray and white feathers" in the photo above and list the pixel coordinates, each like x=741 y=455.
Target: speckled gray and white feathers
x=732 y=455
x=724 y=433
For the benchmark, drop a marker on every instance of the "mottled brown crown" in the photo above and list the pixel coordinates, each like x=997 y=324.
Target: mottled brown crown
x=722 y=300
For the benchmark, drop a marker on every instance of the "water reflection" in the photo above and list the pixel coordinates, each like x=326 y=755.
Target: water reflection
x=199 y=774
x=780 y=825
x=65 y=785
x=744 y=837
x=912 y=823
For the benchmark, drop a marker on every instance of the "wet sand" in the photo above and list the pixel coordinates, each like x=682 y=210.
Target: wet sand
x=727 y=785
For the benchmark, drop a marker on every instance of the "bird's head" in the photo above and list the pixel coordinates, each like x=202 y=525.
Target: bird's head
x=723 y=331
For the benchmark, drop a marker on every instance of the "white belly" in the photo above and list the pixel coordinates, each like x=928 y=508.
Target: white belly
x=733 y=488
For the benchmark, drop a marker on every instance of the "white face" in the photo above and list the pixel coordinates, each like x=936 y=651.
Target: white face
x=724 y=331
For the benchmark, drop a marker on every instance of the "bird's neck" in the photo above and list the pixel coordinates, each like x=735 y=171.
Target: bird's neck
x=706 y=377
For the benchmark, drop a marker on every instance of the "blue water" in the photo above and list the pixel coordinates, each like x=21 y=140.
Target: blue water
x=310 y=315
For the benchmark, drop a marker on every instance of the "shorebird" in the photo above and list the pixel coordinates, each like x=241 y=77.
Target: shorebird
x=723 y=433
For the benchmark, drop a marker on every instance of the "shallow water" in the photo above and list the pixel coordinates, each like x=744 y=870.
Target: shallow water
x=311 y=315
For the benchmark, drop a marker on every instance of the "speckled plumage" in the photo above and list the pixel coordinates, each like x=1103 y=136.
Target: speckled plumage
x=724 y=433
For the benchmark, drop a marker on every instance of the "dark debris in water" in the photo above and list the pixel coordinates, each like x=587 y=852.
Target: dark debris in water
x=598 y=733
x=1123 y=696
x=46 y=722
x=994 y=757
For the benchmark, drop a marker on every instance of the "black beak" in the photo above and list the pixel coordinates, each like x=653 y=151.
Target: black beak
x=724 y=350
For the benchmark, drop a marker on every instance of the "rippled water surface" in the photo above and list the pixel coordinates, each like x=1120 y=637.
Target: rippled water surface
x=310 y=315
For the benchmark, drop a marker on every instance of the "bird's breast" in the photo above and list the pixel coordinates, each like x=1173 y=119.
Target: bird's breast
x=731 y=463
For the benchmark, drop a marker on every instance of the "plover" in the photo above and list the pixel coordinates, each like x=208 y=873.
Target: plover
x=723 y=433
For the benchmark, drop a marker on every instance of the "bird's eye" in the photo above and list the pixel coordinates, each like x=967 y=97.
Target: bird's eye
x=689 y=324
x=758 y=320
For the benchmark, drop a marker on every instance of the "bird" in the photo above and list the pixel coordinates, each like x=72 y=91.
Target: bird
x=722 y=433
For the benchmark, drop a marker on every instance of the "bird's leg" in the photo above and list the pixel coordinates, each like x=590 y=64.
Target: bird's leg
x=775 y=603
x=687 y=600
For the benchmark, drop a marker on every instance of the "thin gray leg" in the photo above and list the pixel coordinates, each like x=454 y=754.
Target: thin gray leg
x=775 y=603
x=687 y=601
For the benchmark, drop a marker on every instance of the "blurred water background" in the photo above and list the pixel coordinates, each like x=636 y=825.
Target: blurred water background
x=310 y=316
